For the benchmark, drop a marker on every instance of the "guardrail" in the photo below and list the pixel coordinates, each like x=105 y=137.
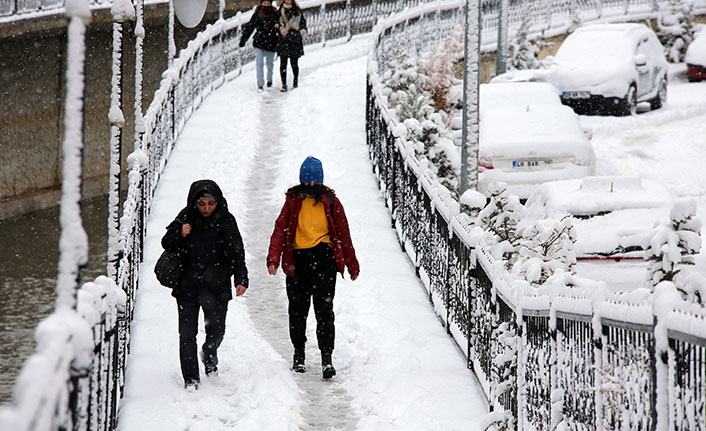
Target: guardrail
x=576 y=356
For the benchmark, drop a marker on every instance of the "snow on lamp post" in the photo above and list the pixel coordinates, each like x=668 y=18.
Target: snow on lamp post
x=471 y=69
x=190 y=12
x=73 y=243
x=501 y=50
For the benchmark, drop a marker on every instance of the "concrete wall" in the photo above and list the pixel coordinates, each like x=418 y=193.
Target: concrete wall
x=32 y=69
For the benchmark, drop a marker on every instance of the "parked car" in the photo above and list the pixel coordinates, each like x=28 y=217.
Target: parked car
x=612 y=215
x=605 y=69
x=696 y=58
x=611 y=68
x=527 y=137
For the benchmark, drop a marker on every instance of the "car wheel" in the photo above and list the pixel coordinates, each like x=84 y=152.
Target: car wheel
x=629 y=105
x=661 y=97
x=694 y=79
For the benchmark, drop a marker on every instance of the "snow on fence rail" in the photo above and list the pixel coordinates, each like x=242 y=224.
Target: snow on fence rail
x=580 y=358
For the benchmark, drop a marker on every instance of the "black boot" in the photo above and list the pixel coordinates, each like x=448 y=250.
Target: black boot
x=296 y=82
x=326 y=365
x=298 y=361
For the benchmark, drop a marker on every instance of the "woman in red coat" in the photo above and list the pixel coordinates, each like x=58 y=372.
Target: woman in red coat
x=312 y=238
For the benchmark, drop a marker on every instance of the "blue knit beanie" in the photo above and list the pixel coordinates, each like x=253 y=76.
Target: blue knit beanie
x=311 y=171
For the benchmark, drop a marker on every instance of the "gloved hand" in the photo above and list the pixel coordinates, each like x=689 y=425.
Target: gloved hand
x=304 y=32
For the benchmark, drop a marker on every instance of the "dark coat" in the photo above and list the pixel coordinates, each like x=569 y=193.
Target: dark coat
x=213 y=250
x=282 y=240
x=263 y=22
x=291 y=45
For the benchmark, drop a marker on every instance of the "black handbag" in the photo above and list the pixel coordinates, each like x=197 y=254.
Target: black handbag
x=168 y=268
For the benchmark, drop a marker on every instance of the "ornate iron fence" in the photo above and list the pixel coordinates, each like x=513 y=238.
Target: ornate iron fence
x=582 y=363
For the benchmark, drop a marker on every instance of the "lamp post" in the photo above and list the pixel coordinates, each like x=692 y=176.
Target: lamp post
x=471 y=81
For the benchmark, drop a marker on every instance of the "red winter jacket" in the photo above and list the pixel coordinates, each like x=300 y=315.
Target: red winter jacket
x=282 y=240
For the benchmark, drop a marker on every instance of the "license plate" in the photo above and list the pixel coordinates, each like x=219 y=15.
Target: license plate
x=531 y=163
x=577 y=95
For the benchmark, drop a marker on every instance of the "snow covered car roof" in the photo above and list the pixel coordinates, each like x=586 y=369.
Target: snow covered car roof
x=696 y=52
x=499 y=94
x=612 y=215
x=532 y=130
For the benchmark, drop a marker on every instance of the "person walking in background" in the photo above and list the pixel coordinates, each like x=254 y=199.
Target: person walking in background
x=208 y=235
x=264 y=22
x=312 y=237
x=292 y=26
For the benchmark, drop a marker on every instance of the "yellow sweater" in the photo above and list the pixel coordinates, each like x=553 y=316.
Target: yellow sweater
x=312 y=227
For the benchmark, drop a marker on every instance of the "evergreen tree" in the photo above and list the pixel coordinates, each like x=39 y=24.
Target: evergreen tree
x=523 y=51
x=500 y=217
x=675 y=28
x=672 y=247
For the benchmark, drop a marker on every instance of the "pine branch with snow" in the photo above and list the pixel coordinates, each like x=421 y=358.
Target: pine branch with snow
x=675 y=28
x=505 y=372
x=500 y=217
x=439 y=67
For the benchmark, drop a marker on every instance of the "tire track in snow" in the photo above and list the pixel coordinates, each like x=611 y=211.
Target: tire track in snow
x=326 y=405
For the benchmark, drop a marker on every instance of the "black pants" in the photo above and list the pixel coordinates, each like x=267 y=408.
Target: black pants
x=315 y=277
x=283 y=68
x=214 y=313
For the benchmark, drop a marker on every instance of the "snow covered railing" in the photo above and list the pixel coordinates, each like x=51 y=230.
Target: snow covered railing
x=571 y=355
x=11 y=10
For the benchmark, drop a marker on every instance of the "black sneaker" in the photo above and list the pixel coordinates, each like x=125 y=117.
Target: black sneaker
x=211 y=370
x=192 y=385
x=284 y=89
x=298 y=361
x=296 y=83
x=269 y=83
x=327 y=368
x=259 y=88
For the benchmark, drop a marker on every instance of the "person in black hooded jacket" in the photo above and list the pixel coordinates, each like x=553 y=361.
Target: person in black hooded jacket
x=264 y=22
x=208 y=235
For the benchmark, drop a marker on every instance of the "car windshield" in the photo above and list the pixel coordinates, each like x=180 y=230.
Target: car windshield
x=590 y=45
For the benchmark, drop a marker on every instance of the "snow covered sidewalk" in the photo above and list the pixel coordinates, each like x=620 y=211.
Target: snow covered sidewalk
x=397 y=367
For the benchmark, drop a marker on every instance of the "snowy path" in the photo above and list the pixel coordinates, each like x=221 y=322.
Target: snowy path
x=397 y=367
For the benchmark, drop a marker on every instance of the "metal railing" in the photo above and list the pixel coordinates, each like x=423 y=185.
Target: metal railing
x=584 y=363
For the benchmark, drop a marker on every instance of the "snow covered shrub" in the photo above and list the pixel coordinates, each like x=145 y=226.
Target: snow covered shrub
x=675 y=28
x=498 y=421
x=546 y=247
x=500 y=217
x=505 y=370
x=438 y=67
x=612 y=390
x=523 y=51
x=672 y=246
x=406 y=88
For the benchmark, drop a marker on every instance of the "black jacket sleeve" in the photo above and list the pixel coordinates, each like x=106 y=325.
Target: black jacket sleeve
x=302 y=23
x=248 y=28
x=235 y=252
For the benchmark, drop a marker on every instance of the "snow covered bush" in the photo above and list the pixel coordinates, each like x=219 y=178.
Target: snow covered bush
x=439 y=66
x=523 y=51
x=671 y=248
x=405 y=89
x=407 y=95
x=675 y=28
x=546 y=247
x=501 y=216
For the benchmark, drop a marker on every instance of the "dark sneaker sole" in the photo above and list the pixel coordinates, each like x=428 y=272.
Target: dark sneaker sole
x=299 y=368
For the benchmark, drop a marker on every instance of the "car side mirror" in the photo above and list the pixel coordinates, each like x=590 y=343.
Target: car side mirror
x=640 y=60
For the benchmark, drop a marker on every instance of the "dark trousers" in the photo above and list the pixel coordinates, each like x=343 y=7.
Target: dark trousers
x=315 y=278
x=283 y=68
x=214 y=313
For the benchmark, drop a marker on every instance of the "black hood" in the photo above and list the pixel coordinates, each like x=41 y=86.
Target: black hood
x=197 y=189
